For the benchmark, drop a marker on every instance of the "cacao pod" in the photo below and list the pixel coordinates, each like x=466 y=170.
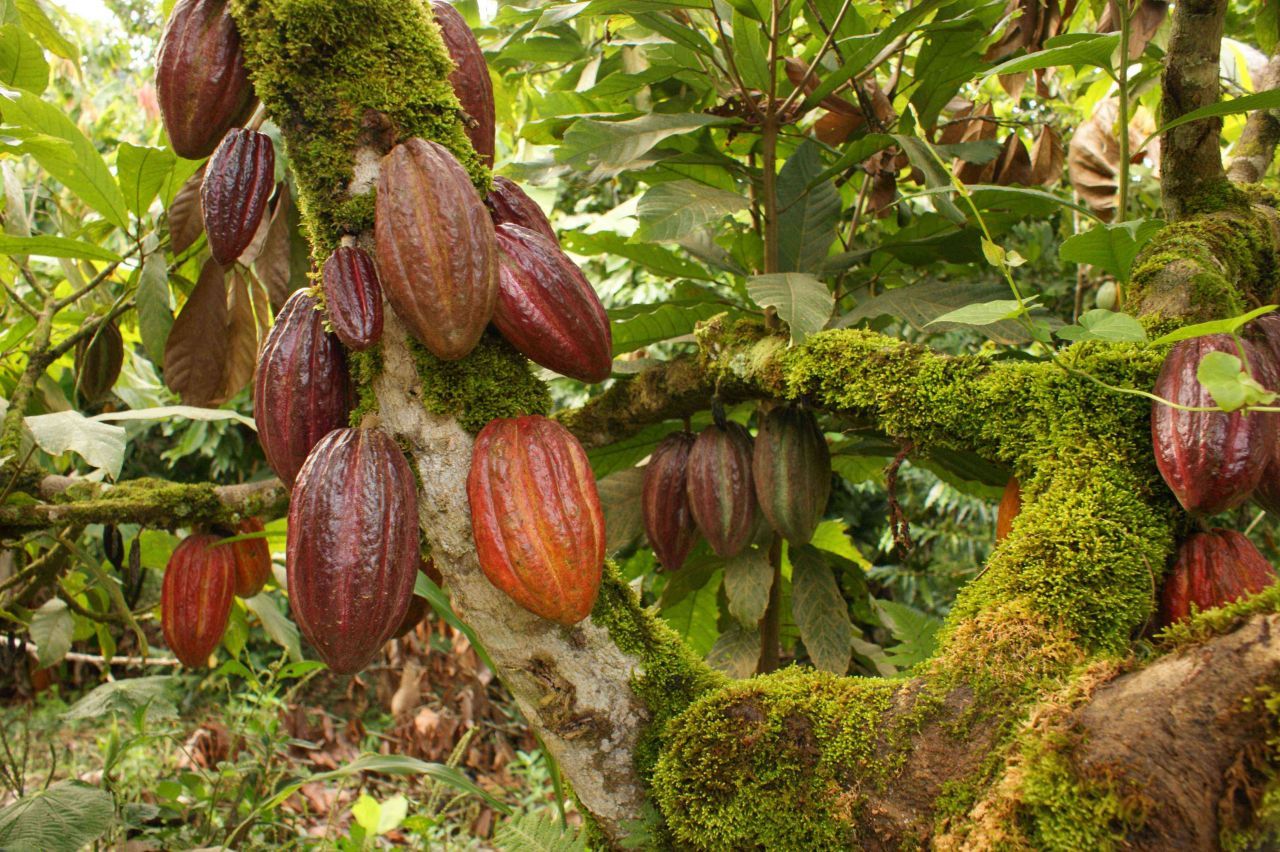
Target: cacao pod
x=195 y=598
x=1211 y=460
x=301 y=391
x=1267 y=494
x=547 y=309
x=791 y=468
x=536 y=516
x=509 y=205
x=253 y=559
x=353 y=546
x=353 y=297
x=235 y=193
x=97 y=363
x=470 y=79
x=437 y=257
x=417 y=605
x=1213 y=569
x=202 y=85
x=722 y=496
x=1010 y=506
x=665 y=501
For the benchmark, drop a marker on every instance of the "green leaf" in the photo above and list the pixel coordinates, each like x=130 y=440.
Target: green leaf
x=1100 y=324
x=1095 y=49
x=1223 y=326
x=833 y=536
x=1111 y=247
x=1269 y=99
x=607 y=148
x=1221 y=375
x=808 y=211
x=64 y=818
x=97 y=443
x=657 y=259
x=281 y=630
x=51 y=629
x=986 y=313
x=38 y=24
x=669 y=211
x=748 y=577
x=127 y=697
x=820 y=611
x=662 y=322
x=693 y=615
x=750 y=52
x=922 y=305
x=377 y=819
x=860 y=51
x=54 y=247
x=736 y=652
x=22 y=63
x=534 y=831
x=155 y=306
x=141 y=172
x=802 y=301
x=620 y=498
x=947 y=61
x=936 y=178
x=915 y=631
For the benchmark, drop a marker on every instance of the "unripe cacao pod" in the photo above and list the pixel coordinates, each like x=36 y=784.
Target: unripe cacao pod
x=509 y=205
x=1213 y=569
x=195 y=598
x=417 y=605
x=352 y=554
x=1010 y=506
x=536 y=516
x=1211 y=460
x=253 y=559
x=547 y=309
x=353 y=297
x=301 y=391
x=201 y=83
x=665 y=501
x=791 y=468
x=97 y=363
x=470 y=79
x=237 y=187
x=722 y=496
x=437 y=257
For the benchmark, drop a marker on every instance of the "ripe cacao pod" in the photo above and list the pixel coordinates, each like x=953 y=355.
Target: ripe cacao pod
x=665 y=501
x=301 y=391
x=1211 y=460
x=536 y=516
x=437 y=257
x=352 y=554
x=353 y=297
x=547 y=309
x=253 y=559
x=417 y=605
x=195 y=598
x=791 y=468
x=97 y=363
x=237 y=187
x=1213 y=569
x=722 y=496
x=1010 y=506
x=470 y=79
x=509 y=205
x=201 y=82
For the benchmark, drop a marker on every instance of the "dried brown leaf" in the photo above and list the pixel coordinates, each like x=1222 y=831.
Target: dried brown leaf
x=976 y=129
x=1047 y=158
x=186 y=220
x=274 y=265
x=199 y=345
x=242 y=335
x=835 y=128
x=1013 y=166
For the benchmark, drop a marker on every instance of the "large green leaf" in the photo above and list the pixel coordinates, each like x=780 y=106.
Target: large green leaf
x=63 y=818
x=694 y=615
x=1270 y=99
x=748 y=577
x=621 y=499
x=51 y=629
x=1086 y=49
x=54 y=247
x=22 y=63
x=281 y=630
x=661 y=322
x=100 y=444
x=607 y=148
x=141 y=172
x=657 y=259
x=948 y=59
x=803 y=302
x=155 y=306
x=1111 y=247
x=820 y=611
x=670 y=211
x=922 y=304
x=38 y=24
x=861 y=51
x=750 y=52
x=736 y=652
x=808 y=211
x=126 y=697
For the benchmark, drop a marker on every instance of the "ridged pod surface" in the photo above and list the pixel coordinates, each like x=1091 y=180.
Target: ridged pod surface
x=470 y=79
x=536 y=516
x=353 y=546
x=253 y=559
x=353 y=297
x=509 y=205
x=668 y=523
x=1211 y=460
x=97 y=363
x=301 y=391
x=1010 y=506
x=722 y=497
x=791 y=468
x=1212 y=569
x=437 y=257
x=202 y=85
x=236 y=190
x=195 y=598
x=547 y=308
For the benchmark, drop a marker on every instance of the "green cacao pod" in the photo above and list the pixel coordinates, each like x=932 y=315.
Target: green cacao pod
x=668 y=524
x=195 y=598
x=201 y=82
x=509 y=205
x=253 y=559
x=437 y=257
x=301 y=391
x=722 y=495
x=791 y=468
x=547 y=309
x=1213 y=569
x=97 y=363
x=353 y=297
x=536 y=516
x=470 y=79
x=237 y=187
x=352 y=554
x=1010 y=507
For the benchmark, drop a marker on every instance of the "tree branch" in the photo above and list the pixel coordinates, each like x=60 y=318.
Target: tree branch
x=1256 y=147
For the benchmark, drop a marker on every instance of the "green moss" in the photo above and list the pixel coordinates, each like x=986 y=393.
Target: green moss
x=365 y=367
x=1258 y=827
x=493 y=381
x=1203 y=626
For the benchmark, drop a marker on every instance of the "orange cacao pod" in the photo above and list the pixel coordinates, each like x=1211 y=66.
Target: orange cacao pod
x=791 y=469
x=353 y=297
x=253 y=559
x=668 y=523
x=722 y=495
x=509 y=205
x=237 y=186
x=536 y=516
x=1213 y=569
x=470 y=79
x=195 y=598
x=98 y=361
x=1010 y=506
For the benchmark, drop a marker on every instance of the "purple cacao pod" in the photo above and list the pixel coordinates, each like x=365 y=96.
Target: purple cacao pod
x=668 y=522
x=470 y=79
x=353 y=297
x=791 y=467
x=237 y=187
x=1213 y=569
x=722 y=496
x=509 y=205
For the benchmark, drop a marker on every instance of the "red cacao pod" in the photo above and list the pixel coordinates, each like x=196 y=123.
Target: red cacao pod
x=301 y=391
x=253 y=559
x=1213 y=569
x=417 y=605
x=791 y=468
x=201 y=82
x=237 y=187
x=352 y=554
x=1010 y=506
x=195 y=598
x=1211 y=460
x=536 y=516
x=509 y=205
x=547 y=309
x=665 y=501
x=353 y=297
x=470 y=79
x=437 y=257
x=722 y=496
x=97 y=363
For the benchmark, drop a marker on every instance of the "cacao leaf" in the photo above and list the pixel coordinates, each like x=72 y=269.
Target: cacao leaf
x=669 y=211
x=1047 y=158
x=620 y=498
x=51 y=629
x=748 y=578
x=808 y=211
x=199 y=345
x=274 y=263
x=186 y=221
x=155 y=306
x=69 y=815
x=736 y=652
x=802 y=301
x=820 y=611
x=141 y=172
x=22 y=62
x=243 y=329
